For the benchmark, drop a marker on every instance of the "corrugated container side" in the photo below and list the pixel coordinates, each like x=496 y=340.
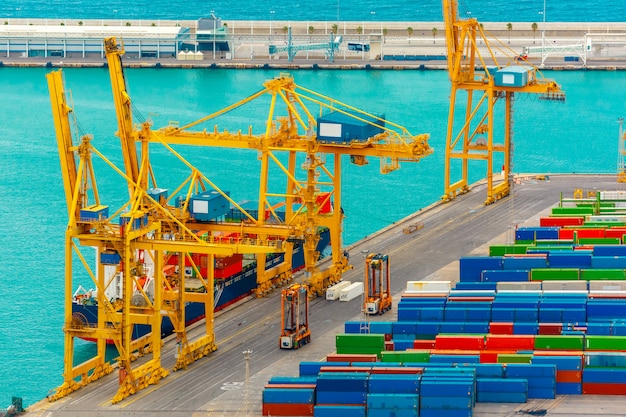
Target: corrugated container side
x=339 y=410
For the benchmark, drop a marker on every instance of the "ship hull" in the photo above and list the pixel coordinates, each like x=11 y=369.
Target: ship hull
x=227 y=292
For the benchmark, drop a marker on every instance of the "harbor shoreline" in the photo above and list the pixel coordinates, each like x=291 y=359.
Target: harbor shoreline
x=395 y=45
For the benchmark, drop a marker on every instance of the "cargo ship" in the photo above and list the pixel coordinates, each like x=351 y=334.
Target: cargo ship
x=235 y=279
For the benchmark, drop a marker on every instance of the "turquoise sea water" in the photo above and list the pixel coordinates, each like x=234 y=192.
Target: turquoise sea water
x=580 y=135
x=319 y=10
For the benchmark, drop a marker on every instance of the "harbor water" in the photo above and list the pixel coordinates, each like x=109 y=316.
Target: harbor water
x=327 y=10
x=579 y=135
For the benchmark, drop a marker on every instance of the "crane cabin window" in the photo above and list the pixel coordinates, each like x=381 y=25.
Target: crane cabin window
x=508 y=79
x=330 y=130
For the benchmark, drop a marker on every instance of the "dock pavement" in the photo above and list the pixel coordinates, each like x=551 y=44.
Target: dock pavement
x=225 y=384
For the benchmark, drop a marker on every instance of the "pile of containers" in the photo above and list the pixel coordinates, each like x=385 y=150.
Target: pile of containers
x=541 y=317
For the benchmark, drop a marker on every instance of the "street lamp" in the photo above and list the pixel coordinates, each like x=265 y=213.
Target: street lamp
x=543 y=34
x=214 y=28
x=246 y=355
x=271 y=18
x=373 y=15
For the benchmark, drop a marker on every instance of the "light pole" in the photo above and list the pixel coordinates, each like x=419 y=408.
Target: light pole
x=214 y=28
x=543 y=34
x=271 y=18
x=246 y=355
x=373 y=15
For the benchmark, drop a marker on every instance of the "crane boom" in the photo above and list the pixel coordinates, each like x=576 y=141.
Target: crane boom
x=123 y=108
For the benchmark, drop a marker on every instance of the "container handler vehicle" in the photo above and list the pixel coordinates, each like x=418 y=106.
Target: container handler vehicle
x=377 y=297
x=295 y=317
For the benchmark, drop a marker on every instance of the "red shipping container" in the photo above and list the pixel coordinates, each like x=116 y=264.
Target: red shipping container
x=569 y=376
x=603 y=389
x=559 y=353
x=516 y=342
x=287 y=409
x=615 y=232
x=491 y=356
x=561 y=221
x=351 y=357
x=452 y=299
x=566 y=234
x=345 y=368
x=324 y=202
x=589 y=233
x=226 y=272
x=224 y=261
x=500 y=328
x=423 y=344
x=389 y=346
x=396 y=370
x=291 y=386
x=550 y=328
x=464 y=342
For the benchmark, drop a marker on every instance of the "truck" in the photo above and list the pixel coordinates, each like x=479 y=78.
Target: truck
x=295 y=317
x=377 y=297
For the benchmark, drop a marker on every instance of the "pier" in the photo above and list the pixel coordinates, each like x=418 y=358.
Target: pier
x=213 y=43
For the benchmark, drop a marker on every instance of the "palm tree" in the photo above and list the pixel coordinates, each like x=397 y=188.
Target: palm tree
x=359 y=30
x=385 y=32
x=335 y=28
x=409 y=32
x=509 y=27
x=534 y=27
x=311 y=30
x=435 y=31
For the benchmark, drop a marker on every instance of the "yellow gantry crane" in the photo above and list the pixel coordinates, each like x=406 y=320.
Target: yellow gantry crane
x=134 y=285
x=480 y=136
x=137 y=237
x=293 y=131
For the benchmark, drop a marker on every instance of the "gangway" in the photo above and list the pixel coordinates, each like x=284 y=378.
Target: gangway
x=546 y=50
x=331 y=46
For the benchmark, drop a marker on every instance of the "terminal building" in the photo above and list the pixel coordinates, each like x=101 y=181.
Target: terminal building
x=85 y=39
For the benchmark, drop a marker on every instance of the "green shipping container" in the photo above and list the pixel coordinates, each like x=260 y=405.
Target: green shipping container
x=572 y=211
x=559 y=342
x=605 y=342
x=515 y=358
x=406 y=356
x=501 y=250
x=599 y=241
x=361 y=340
x=554 y=274
x=602 y=274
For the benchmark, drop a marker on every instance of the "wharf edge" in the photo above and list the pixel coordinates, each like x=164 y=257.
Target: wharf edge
x=257 y=35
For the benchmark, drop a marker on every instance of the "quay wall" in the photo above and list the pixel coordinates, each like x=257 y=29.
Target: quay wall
x=245 y=44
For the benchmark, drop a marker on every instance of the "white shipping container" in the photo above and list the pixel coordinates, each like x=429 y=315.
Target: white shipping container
x=611 y=293
x=607 y=285
x=333 y=292
x=564 y=285
x=351 y=292
x=429 y=286
x=518 y=286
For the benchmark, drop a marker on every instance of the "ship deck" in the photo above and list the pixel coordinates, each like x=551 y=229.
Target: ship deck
x=217 y=385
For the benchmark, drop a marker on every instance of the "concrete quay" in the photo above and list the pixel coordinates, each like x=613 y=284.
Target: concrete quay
x=249 y=41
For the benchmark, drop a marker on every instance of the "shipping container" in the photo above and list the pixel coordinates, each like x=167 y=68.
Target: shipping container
x=351 y=292
x=333 y=292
